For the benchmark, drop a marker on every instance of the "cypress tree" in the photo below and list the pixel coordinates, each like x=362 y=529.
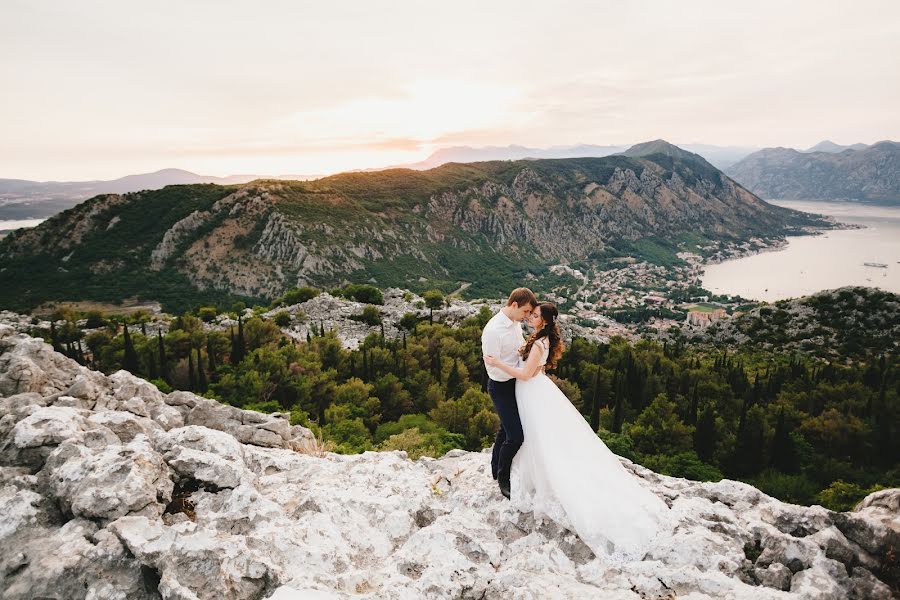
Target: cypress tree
x=201 y=374
x=705 y=435
x=144 y=328
x=151 y=363
x=600 y=396
x=692 y=415
x=130 y=360
x=454 y=382
x=365 y=365
x=617 y=411
x=438 y=367
x=163 y=367
x=211 y=356
x=241 y=343
x=192 y=380
x=783 y=453
x=53 y=340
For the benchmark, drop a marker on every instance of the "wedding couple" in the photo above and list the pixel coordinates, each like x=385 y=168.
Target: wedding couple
x=546 y=458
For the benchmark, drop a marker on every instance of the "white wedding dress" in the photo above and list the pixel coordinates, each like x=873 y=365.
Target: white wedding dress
x=564 y=472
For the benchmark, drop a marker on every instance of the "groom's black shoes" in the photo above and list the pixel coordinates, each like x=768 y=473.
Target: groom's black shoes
x=503 y=479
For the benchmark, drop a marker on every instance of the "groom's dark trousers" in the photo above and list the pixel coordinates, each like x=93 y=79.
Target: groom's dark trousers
x=509 y=437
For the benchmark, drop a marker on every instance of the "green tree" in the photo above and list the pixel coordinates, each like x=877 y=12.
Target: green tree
x=658 y=430
x=130 y=361
x=207 y=313
x=705 y=435
x=433 y=299
x=454 y=381
x=370 y=315
x=296 y=295
x=471 y=415
x=842 y=496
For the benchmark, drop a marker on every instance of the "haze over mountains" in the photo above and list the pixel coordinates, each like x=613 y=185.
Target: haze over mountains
x=718 y=156
x=492 y=224
x=870 y=173
x=24 y=199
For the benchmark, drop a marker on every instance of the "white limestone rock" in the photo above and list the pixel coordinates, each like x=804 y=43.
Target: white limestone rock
x=205 y=455
x=195 y=562
x=110 y=481
x=106 y=493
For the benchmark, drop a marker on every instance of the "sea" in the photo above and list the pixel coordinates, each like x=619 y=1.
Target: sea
x=809 y=264
x=19 y=224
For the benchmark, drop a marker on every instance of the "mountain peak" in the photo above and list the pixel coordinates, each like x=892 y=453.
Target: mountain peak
x=660 y=147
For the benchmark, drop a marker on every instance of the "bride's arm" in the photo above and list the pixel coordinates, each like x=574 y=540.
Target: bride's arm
x=527 y=371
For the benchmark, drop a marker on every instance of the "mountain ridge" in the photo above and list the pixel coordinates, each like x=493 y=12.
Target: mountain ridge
x=868 y=174
x=25 y=199
x=402 y=227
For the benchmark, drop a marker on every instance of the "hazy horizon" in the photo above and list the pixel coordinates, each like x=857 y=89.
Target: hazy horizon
x=102 y=89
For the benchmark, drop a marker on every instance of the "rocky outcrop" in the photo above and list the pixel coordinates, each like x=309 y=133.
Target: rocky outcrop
x=871 y=173
x=336 y=314
x=110 y=489
x=833 y=324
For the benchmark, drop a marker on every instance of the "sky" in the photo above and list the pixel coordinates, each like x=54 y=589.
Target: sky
x=100 y=89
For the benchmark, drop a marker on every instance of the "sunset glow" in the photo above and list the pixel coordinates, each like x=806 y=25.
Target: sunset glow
x=99 y=89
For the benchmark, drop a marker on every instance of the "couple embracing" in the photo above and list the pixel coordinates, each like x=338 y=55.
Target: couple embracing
x=546 y=458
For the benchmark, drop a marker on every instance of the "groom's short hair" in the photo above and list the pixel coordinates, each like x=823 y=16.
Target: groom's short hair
x=522 y=296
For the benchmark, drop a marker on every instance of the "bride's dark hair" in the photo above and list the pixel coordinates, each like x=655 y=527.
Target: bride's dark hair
x=550 y=330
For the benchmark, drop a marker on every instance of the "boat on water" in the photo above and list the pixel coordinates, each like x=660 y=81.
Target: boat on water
x=875 y=264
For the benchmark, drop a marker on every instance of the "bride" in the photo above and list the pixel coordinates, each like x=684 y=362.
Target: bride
x=563 y=471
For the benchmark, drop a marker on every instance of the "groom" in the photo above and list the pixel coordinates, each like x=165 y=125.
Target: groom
x=502 y=337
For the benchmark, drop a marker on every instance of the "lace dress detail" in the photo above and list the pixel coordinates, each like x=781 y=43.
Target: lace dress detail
x=564 y=472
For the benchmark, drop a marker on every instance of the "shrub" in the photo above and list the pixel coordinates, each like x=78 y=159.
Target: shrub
x=296 y=296
x=796 y=489
x=409 y=321
x=417 y=444
x=618 y=443
x=369 y=316
x=207 y=313
x=683 y=464
x=842 y=496
x=95 y=320
x=368 y=294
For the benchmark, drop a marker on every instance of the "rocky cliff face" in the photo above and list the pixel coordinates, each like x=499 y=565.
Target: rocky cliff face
x=397 y=226
x=871 y=173
x=111 y=490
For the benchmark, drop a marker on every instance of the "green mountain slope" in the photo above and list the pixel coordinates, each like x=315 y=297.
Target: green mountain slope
x=493 y=224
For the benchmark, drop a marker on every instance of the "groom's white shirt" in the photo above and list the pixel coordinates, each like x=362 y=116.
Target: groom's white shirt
x=502 y=337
